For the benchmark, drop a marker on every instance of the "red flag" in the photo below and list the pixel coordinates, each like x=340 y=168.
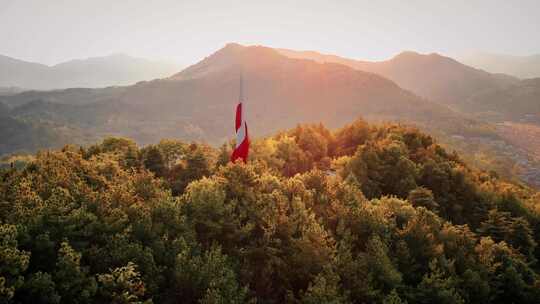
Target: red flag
x=242 y=140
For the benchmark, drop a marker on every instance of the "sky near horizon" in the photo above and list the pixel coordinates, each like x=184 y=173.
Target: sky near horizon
x=54 y=31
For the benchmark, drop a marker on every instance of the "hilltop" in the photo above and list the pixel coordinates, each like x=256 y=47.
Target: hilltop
x=363 y=214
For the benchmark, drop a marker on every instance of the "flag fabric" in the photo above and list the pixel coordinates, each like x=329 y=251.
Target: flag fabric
x=242 y=139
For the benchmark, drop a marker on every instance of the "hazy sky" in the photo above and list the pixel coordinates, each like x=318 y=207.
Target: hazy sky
x=50 y=31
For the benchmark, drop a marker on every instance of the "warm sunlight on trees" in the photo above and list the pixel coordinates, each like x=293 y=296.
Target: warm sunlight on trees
x=366 y=214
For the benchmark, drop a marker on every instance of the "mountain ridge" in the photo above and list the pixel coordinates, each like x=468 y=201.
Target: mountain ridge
x=280 y=93
x=102 y=71
x=433 y=76
x=518 y=66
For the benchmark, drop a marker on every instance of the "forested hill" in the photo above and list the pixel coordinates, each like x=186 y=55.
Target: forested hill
x=365 y=214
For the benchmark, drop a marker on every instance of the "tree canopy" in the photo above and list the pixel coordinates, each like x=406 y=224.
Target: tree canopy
x=363 y=214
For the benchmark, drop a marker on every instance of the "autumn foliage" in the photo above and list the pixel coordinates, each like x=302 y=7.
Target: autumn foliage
x=365 y=214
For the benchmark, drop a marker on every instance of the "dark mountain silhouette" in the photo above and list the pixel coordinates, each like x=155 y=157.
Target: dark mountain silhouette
x=117 y=69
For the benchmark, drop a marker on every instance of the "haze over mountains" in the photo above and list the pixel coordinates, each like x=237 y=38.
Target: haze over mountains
x=519 y=66
x=196 y=102
x=495 y=97
x=445 y=80
x=113 y=70
x=282 y=88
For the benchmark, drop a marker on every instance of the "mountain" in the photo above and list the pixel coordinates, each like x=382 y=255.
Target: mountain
x=281 y=89
x=433 y=76
x=72 y=96
x=517 y=102
x=117 y=69
x=14 y=72
x=22 y=136
x=10 y=90
x=196 y=103
x=18 y=134
x=518 y=66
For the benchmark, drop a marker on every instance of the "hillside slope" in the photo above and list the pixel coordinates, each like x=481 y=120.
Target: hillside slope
x=432 y=76
x=518 y=102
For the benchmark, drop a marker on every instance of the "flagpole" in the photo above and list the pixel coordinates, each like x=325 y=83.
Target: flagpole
x=241 y=94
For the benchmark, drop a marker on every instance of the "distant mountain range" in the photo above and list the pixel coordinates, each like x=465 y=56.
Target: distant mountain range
x=113 y=70
x=10 y=90
x=496 y=97
x=196 y=103
x=518 y=66
x=282 y=88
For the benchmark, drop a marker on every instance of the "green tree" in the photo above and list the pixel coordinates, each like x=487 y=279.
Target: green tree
x=350 y=137
x=172 y=151
x=423 y=197
x=154 y=161
x=436 y=287
x=224 y=155
x=196 y=165
x=206 y=278
x=325 y=288
x=38 y=288
x=123 y=285
x=13 y=263
x=393 y=298
x=294 y=158
x=72 y=281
